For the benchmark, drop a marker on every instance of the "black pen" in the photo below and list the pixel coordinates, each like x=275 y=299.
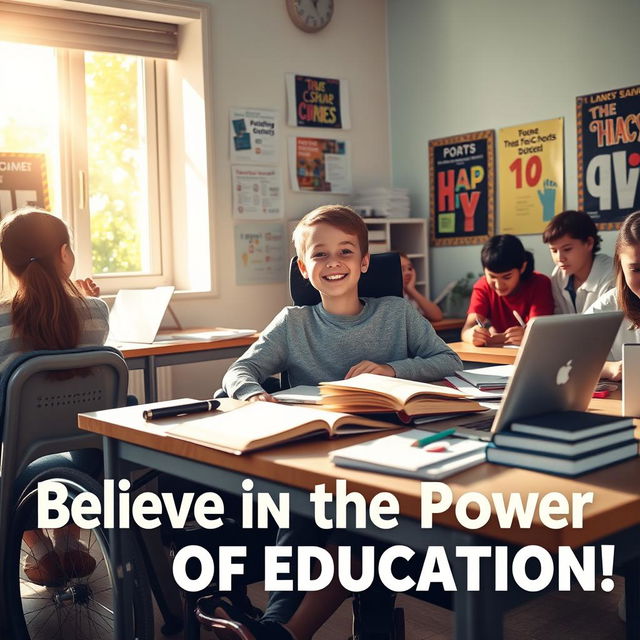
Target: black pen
x=180 y=410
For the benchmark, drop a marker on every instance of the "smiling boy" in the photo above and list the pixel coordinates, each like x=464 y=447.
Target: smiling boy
x=340 y=337
x=581 y=274
x=343 y=335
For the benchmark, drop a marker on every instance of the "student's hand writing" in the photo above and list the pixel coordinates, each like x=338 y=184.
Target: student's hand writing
x=513 y=335
x=366 y=366
x=612 y=370
x=480 y=337
x=265 y=397
x=88 y=287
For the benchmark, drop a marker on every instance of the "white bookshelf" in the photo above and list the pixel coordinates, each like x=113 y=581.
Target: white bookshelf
x=408 y=235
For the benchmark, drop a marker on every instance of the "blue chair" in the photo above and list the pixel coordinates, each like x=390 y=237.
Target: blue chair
x=42 y=393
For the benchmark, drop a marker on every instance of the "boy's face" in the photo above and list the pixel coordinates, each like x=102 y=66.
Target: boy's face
x=571 y=254
x=630 y=262
x=505 y=282
x=332 y=261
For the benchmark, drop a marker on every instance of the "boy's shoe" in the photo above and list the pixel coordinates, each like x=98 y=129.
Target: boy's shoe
x=46 y=571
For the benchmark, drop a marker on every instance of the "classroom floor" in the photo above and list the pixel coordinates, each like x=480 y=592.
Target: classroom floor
x=560 y=616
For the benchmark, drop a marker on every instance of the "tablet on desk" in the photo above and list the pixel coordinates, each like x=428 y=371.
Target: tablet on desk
x=302 y=394
x=211 y=335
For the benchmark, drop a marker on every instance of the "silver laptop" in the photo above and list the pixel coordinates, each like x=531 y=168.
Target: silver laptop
x=557 y=369
x=631 y=380
x=137 y=313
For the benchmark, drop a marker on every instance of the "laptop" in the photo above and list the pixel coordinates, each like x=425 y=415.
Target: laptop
x=557 y=369
x=137 y=313
x=631 y=380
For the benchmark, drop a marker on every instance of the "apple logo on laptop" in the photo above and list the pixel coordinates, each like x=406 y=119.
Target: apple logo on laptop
x=562 y=377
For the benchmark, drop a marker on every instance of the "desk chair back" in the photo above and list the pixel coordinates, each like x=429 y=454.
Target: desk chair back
x=42 y=393
x=382 y=278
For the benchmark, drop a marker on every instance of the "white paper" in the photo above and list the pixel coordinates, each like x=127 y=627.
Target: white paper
x=253 y=135
x=257 y=192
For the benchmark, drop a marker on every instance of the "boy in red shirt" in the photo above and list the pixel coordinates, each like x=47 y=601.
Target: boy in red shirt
x=507 y=296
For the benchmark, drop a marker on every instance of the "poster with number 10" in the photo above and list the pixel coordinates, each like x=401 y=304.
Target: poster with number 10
x=531 y=175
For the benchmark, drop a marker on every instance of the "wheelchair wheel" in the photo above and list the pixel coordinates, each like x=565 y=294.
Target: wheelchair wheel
x=71 y=602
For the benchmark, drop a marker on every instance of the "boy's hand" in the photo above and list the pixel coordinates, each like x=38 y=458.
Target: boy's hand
x=612 y=370
x=480 y=337
x=513 y=335
x=265 y=397
x=88 y=288
x=366 y=366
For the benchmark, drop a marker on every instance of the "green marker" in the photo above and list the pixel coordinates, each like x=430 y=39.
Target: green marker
x=434 y=437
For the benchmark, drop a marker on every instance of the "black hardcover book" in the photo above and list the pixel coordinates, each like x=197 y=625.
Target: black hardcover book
x=570 y=425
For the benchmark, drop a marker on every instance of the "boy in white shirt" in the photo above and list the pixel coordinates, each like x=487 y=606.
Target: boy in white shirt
x=581 y=275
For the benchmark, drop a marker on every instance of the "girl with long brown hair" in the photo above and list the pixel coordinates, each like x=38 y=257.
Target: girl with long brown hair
x=47 y=311
x=626 y=295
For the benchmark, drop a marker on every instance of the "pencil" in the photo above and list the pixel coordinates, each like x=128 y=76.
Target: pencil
x=434 y=437
x=518 y=317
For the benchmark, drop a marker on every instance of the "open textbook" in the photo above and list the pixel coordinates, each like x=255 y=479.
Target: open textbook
x=264 y=424
x=371 y=393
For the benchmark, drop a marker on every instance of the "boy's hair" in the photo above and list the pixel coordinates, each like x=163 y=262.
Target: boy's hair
x=628 y=236
x=43 y=312
x=336 y=215
x=576 y=224
x=505 y=252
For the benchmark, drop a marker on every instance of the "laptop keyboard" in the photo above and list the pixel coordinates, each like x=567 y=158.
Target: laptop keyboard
x=480 y=425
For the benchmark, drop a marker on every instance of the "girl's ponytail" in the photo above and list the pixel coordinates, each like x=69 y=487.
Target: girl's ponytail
x=44 y=310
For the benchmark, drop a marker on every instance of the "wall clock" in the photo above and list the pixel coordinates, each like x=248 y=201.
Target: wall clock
x=310 y=15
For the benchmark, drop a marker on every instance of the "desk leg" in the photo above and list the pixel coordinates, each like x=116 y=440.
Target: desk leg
x=123 y=589
x=632 y=595
x=477 y=614
x=150 y=380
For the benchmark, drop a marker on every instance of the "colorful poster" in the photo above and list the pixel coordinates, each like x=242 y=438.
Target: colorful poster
x=317 y=102
x=320 y=164
x=609 y=154
x=253 y=135
x=462 y=179
x=260 y=253
x=23 y=181
x=531 y=175
x=257 y=192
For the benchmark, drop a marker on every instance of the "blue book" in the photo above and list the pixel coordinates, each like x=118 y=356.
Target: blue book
x=563 y=465
x=567 y=448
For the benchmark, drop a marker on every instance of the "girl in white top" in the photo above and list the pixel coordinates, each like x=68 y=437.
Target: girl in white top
x=581 y=275
x=626 y=295
x=430 y=310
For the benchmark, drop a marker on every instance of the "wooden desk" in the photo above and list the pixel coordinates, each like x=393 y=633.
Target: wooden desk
x=171 y=352
x=490 y=355
x=614 y=518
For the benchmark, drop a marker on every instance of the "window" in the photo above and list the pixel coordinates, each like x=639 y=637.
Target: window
x=102 y=120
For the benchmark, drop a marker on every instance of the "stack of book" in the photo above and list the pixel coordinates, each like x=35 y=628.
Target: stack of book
x=566 y=443
x=386 y=203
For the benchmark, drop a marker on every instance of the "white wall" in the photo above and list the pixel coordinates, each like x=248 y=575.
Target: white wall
x=254 y=45
x=457 y=66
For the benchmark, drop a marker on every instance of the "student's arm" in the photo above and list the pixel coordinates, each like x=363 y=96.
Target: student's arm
x=480 y=309
x=431 y=358
x=266 y=356
x=430 y=310
x=612 y=370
